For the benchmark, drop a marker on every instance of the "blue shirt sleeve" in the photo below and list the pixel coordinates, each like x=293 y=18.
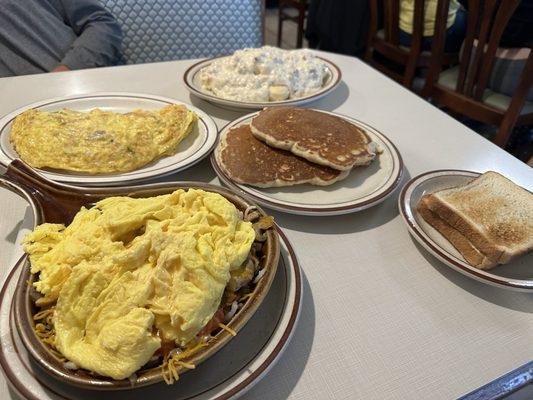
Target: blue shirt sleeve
x=99 y=35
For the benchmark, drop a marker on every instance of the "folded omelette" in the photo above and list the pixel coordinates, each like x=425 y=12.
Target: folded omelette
x=99 y=141
x=129 y=274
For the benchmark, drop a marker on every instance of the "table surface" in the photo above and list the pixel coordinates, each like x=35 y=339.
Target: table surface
x=381 y=318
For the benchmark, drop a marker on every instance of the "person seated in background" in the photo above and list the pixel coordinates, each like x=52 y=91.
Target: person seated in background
x=56 y=35
x=339 y=26
x=456 y=24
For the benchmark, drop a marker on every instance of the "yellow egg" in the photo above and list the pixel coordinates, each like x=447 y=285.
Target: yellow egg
x=99 y=141
x=129 y=273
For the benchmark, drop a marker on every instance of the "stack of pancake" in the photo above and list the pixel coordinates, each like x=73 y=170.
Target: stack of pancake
x=285 y=146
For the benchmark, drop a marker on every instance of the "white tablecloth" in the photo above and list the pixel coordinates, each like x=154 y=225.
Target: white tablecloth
x=381 y=318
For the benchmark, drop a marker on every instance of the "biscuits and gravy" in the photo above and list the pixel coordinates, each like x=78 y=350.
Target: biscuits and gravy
x=264 y=74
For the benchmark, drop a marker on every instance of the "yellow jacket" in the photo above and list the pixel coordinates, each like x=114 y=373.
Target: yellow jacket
x=407 y=12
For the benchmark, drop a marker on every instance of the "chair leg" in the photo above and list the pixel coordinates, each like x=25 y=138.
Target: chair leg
x=409 y=74
x=280 y=25
x=301 y=20
x=504 y=132
x=368 y=53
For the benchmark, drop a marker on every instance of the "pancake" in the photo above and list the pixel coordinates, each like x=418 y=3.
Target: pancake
x=250 y=161
x=318 y=137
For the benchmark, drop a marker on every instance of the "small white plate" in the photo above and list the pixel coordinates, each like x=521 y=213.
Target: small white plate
x=363 y=188
x=191 y=150
x=516 y=275
x=333 y=79
x=227 y=375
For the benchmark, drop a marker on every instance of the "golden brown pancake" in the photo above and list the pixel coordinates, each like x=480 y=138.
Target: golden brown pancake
x=248 y=160
x=318 y=137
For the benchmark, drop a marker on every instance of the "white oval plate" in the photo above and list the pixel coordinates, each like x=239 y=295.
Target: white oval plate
x=227 y=375
x=516 y=275
x=333 y=79
x=191 y=150
x=363 y=188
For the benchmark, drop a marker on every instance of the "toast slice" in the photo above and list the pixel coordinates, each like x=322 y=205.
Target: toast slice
x=316 y=136
x=493 y=213
x=247 y=160
x=470 y=253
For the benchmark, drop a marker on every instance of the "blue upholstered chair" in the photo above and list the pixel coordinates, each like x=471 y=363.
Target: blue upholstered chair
x=163 y=30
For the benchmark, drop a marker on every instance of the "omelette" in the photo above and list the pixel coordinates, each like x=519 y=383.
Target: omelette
x=131 y=275
x=99 y=141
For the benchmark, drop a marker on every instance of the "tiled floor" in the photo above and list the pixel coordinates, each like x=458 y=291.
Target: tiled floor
x=271 y=31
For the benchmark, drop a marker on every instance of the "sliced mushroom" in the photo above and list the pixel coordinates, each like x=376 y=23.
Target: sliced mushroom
x=251 y=214
x=261 y=226
x=242 y=276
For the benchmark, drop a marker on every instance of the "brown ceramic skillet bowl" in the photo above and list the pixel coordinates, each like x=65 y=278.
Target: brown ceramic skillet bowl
x=57 y=203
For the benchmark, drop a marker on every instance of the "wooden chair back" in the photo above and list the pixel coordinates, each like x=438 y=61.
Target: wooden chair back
x=479 y=50
x=487 y=20
x=301 y=8
x=388 y=44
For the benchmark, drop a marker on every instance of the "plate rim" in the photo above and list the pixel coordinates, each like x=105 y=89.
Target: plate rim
x=230 y=393
x=211 y=132
x=311 y=211
x=437 y=251
x=188 y=80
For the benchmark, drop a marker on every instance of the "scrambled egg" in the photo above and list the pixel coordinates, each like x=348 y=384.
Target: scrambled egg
x=98 y=142
x=129 y=273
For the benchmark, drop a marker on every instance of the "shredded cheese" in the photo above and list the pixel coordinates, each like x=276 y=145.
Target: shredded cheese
x=227 y=329
x=246 y=297
x=43 y=314
x=45 y=331
x=168 y=367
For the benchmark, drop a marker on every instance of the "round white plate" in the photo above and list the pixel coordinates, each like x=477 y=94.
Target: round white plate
x=191 y=150
x=363 y=188
x=516 y=275
x=333 y=79
x=227 y=375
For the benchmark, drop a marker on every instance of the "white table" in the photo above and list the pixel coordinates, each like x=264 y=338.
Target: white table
x=381 y=318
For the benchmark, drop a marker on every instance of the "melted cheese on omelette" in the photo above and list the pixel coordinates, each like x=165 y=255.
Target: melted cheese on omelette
x=98 y=142
x=129 y=273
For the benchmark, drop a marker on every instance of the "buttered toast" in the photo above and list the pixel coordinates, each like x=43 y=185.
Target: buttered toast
x=470 y=253
x=491 y=213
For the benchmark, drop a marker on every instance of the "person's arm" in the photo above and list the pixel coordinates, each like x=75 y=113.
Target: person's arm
x=99 y=35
